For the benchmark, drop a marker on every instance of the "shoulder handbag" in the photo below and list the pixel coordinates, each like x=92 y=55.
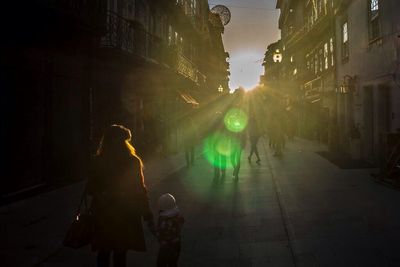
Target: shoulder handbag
x=79 y=233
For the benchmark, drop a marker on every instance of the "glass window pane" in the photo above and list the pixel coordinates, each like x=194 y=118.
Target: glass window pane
x=374 y=5
x=345 y=32
x=326 y=55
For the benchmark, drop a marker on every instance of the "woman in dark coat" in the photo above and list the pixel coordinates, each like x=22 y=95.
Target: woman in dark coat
x=119 y=198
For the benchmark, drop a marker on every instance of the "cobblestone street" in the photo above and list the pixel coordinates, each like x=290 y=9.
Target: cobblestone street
x=283 y=212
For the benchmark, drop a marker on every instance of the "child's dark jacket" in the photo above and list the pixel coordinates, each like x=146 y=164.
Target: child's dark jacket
x=169 y=227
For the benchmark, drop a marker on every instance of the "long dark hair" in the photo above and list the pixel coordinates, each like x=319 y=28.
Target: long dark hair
x=115 y=145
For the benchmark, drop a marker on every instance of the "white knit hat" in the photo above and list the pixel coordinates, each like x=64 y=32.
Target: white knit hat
x=166 y=202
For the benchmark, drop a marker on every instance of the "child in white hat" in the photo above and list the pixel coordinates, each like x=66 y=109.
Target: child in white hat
x=169 y=227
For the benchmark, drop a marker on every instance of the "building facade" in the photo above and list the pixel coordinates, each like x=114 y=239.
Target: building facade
x=308 y=64
x=342 y=59
x=368 y=76
x=74 y=67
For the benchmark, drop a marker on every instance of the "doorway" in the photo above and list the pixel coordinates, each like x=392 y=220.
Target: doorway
x=368 y=112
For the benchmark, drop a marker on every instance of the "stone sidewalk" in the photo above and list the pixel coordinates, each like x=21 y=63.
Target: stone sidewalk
x=296 y=210
x=32 y=229
x=336 y=217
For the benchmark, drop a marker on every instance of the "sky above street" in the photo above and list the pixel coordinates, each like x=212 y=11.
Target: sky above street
x=253 y=26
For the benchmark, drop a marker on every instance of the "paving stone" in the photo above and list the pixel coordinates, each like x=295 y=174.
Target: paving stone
x=333 y=217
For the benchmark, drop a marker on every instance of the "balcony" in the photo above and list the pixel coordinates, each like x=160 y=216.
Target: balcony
x=309 y=30
x=130 y=37
x=186 y=68
x=120 y=34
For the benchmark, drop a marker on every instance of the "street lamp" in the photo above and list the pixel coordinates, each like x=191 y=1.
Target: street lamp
x=220 y=88
x=277 y=57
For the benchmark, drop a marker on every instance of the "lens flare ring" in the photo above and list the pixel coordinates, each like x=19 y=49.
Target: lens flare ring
x=235 y=120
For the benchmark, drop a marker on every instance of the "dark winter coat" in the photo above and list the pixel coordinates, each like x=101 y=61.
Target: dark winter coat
x=119 y=204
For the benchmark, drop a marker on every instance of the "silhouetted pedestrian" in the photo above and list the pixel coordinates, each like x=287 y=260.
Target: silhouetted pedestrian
x=238 y=143
x=119 y=200
x=189 y=141
x=169 y=227
x=220 y=144
x=254 y=135
x=238 y=137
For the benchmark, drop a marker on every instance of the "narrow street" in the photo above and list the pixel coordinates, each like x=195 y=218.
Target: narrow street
x=93 y=89
x=283 y=212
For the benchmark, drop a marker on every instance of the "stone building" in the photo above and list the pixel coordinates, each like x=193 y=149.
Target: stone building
x=73 y=67
x=368 y=79
x=308 y=65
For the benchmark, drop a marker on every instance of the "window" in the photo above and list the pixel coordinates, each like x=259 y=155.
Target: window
x=310 y=19
x=170 y=35
x=320 y=7
x=316 y=63
x=186 y=8
x=321 y=58
x=326 y=64
x=314 y=15
x=310 y=60
x=331 y=52
x=345 y=32
x=180 y=45
x=374 y=5
x=195 y=7
x=374 y=24
x=345 y=41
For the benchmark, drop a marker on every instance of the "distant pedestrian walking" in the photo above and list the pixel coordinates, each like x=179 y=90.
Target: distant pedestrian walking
x=189 y=141
x=254 y=135
x=119 y=200
x=238 y=143
x=219 y=145
x=279 y=137
x=169 y=227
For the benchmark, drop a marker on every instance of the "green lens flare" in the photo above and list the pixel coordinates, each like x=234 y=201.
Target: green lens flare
x=218 y=149
x=235 y=120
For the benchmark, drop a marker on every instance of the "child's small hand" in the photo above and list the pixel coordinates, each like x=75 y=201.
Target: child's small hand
x=152 y=228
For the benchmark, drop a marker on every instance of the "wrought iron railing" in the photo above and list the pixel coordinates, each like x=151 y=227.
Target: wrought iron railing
x=119 y=33
x=306 y=29
x=129 y=37
x=186 y=68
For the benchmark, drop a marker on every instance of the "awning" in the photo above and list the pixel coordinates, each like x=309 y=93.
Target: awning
x=189 y=99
